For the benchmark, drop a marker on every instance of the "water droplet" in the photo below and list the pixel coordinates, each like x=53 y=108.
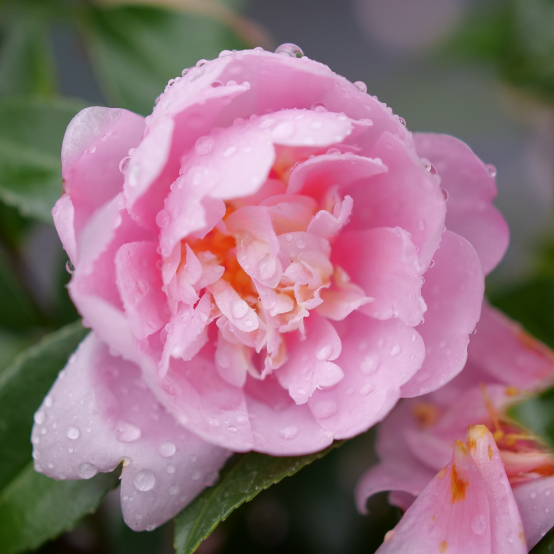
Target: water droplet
x=267 y=267
x=319 y=107
x=283 y=130
x=225 y=53
x=217 y=84
x=170 y=469
x=127 y=432
x=204 y=145
x=300 y=243
x=48 y=402
x=333 y=151
x=69 y=268
x=87 y=470
x=290 y=49
x=92 y=149
x=200 y=63
x=479 y=524
x=324 y=352
x=144 y=480
x=143 y=287
x=167 y=449
x=492 y=170
x=229 y=152
x=173 y=490
x=289 y=433
x=395 y=350
x=162 y=219
x=231 y=429
x=547 y=492
x=370 y=364
x=73 y=433
x=367 y=388
x=212 y=422
x=239 y=308
x=124 y=165
x=533 y=495
x=288 y=237
x=361 y=86
x=325 y=409
x=39 y=418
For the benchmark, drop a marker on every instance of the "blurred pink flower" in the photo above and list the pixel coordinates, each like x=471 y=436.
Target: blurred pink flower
x=493 y=496
x=250 y=259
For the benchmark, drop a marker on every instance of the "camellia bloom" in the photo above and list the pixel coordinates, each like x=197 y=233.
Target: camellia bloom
x=493 y=495
x=251 y=259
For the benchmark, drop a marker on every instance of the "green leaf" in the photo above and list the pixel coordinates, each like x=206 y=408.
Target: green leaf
x=537 y=414
x=31 y=134
x=243 y=478
x=34 y=508
x=135 y=50
x=26 y=57
x=23 y=385
x=18 y=312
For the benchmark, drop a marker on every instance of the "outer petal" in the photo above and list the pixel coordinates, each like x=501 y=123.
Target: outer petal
x=63 y=214
x=406 y=196
x=471 y=189
x=98 y=414
x=453 y=292
x=450 y=515
x=96 y=141
x=506 y=528
x=536 y=506
x=502 y=349
x=377 y=358
x=384 y=262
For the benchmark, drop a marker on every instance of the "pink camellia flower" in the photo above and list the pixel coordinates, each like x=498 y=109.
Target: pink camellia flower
x=251 y=259
x=493 y=495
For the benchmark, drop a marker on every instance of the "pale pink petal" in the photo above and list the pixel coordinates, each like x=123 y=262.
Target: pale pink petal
x=63 y=214
x=203 y=402
x=410 y=477
x=98 y=414
x=290 y=213
x=377 y=358
x=96 y=141
x=406 y=196
x=140 y=286
x=232 y=362
x=327 y=225
x=237 y=311
x=506 y=527
x=314 y=177
x=384 y=262
x=502 y=349
x=309 y=366
x=453 y=292
x=536 y=506
x=279 y=426
x=451 y=515
x=471 y=190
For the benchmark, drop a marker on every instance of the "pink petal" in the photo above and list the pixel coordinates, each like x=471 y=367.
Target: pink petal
x=237 y=311
x=279 y=426
x=98 y=414
x=290 y=213
x=384 y=262
x=95 y=142
x=406 y=196
x=140 y=287
x=314 y=177
x=536 y=506
x=506 y=527
x=203 y=402
x=451 y=515
x=502 y=349
x=63 y=214
x=453 y=291
x=411 y=478
x=377 y=358
x=309 y=366
x=327 y=225
x=471 y=189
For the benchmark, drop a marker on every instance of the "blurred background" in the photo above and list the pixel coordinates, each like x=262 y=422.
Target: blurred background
x=482 y=70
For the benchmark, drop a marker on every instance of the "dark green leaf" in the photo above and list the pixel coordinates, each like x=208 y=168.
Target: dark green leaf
x=136 y=49
x=31 y=134
x=23 y=385
x=34 y=508
x=17 y=312
x=243 y=478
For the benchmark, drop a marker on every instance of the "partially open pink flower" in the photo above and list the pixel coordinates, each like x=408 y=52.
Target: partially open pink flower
x=496 y=495
x=251 y=259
